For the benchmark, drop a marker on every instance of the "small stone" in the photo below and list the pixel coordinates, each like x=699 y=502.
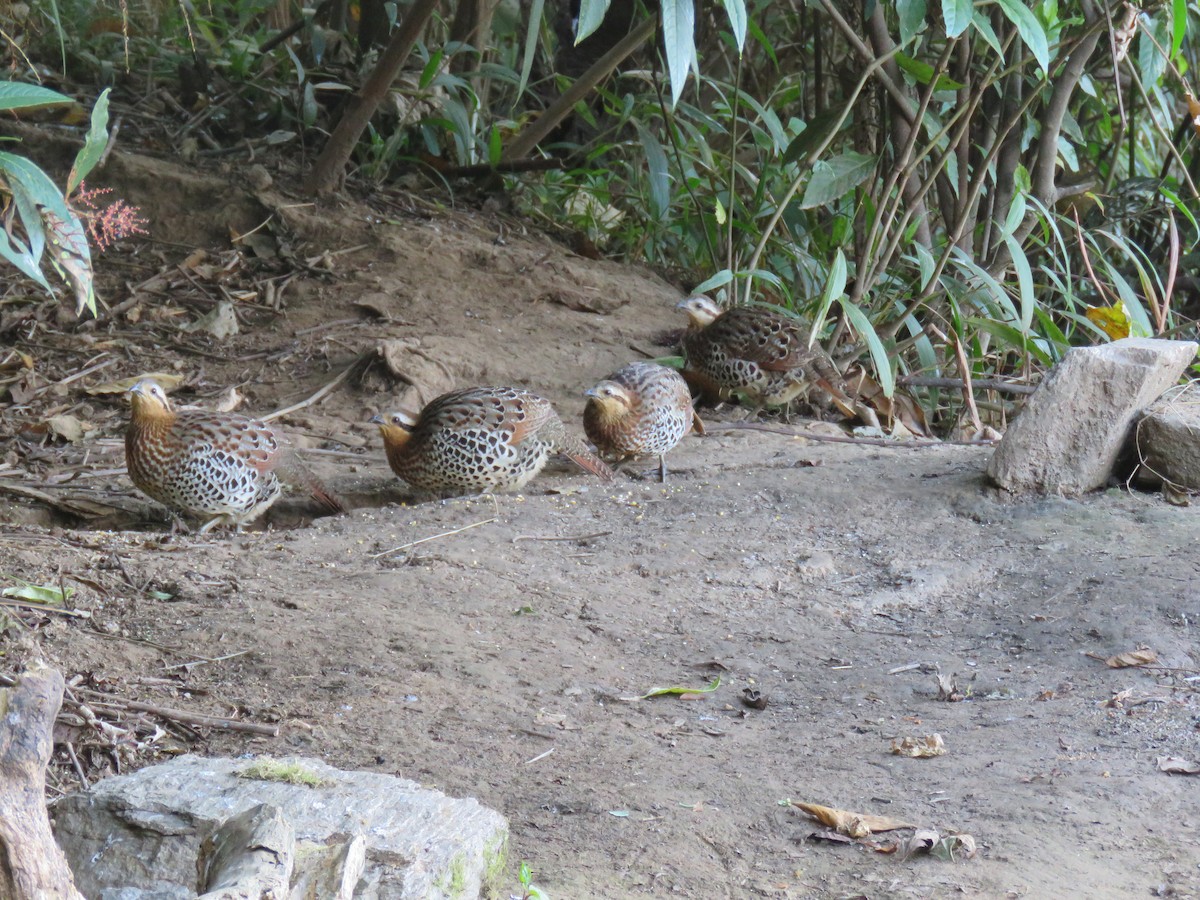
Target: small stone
x=1167 y=440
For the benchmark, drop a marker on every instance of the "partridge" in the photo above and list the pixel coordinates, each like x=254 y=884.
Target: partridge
x=480 y=440
x=756 y=352
x=643 y=409
x=220 y=467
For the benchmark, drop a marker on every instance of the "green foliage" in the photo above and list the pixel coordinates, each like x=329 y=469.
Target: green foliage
x=939 y=187
x=49 y=229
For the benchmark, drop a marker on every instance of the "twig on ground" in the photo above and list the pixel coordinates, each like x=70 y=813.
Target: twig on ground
x=570 y=537
x=434 y=537
x=338 y=379
x=710 y=428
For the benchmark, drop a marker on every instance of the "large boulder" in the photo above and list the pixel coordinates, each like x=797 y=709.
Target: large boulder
x=164 y=832
x=1076 y=424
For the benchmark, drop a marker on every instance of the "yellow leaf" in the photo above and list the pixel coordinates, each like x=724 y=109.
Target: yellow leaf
x=1112 y=320
x=851 y=823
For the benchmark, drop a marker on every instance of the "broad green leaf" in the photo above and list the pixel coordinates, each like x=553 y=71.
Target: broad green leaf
x=957 y=16
x=591 y=14
x=663 y=691
x=835 y=287
x=1024 y=281
x=45 y=212
x=1030 y=29
x=1179 y=14
x=912 y=18
x=719 y=211
x=817 y=131
x=531 y=40
x=678 y=30
x=836 y=177
x=660 y=179
x=1151 y=61
x=879 y=356
x=923 y=73
x=736 y=10
x=17 y=95
x=984 y=26
x=50 y=594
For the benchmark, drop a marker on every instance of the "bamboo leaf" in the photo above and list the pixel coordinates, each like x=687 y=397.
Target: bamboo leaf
x=1030 y=29
x=660 y=180
x=1024 y=281
x=736 y=10
x=721 y=279
x=957 y=16
x=678 y=29
x=835 y=287
x=836 y=177
x=531 y=39
x=879 y=355
x=591 y=14
x=984 y=26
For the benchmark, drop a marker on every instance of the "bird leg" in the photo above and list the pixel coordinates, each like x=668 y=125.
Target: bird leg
x=662 y=468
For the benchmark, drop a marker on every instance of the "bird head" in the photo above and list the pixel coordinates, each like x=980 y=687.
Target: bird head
x=612 y=399
x=700 y=310
x=396 y=427
x=149 y=401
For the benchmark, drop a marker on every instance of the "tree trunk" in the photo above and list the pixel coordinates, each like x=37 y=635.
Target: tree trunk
x=330 y=169
x=31 y=865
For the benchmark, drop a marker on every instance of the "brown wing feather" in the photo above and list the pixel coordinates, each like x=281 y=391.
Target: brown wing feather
x=773 y=341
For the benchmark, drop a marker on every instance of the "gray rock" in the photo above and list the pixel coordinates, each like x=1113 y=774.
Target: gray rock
x=1168 y=440
x=138 y=836
x=1075 y=425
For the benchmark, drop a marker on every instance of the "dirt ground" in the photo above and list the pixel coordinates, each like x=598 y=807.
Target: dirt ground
x=491 y=648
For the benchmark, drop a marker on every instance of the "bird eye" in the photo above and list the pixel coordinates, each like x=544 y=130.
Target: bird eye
x=397 y=420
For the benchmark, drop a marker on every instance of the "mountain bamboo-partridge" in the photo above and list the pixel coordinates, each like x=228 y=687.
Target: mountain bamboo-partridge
x=643 y=409
x=756 y=352
x=221 y=467
x=480 y=440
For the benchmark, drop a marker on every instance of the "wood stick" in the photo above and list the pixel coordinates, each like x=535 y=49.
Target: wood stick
x=433 y=537
x=836 y=439
x=982 y=384
x=189 y=718
x=34 y=866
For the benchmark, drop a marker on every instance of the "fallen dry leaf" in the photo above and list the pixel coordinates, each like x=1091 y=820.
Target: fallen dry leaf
x=220 y=323
x=851 y=823
x=1139 y=657
x=949 y=691
x=1177 y=765
x=68 y=428
x=919 y=747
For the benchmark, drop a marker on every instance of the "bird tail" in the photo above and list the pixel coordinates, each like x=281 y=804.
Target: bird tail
x=574 y=450
x=295 y=472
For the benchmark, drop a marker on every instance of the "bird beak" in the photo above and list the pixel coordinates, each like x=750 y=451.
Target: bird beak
x=377 y=420
x=591 y=392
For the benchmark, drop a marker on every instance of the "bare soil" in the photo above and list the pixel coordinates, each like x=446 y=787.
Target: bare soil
x=490 y=648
